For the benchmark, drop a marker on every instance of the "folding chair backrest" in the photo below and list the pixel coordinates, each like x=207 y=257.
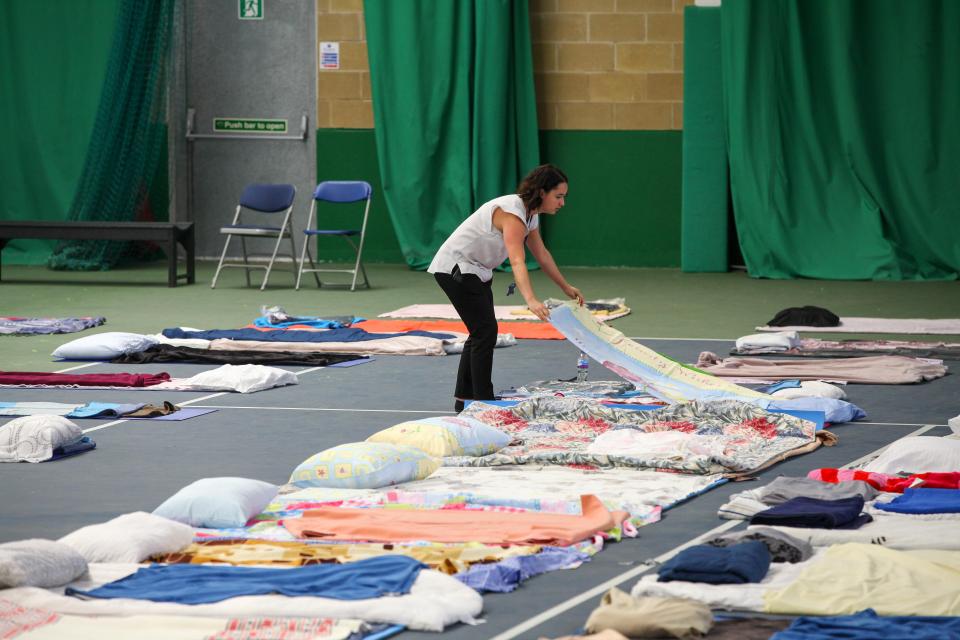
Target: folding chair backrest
x=342 y=191
x=268 y=198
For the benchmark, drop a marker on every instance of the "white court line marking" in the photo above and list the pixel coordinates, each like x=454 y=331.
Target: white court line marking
x=79 y=366
x=648 y=564
x=183 y=404
x=223 y=406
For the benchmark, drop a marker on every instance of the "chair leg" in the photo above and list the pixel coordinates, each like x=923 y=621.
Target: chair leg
x=303 y=252
x=358 y=266
x=293 y=259
x=246 y=262
x=313 y=265
x=276 y=247
x=366 y=280
x=223 y=255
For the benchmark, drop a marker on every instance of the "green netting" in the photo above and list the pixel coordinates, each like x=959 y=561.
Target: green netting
x=129 y=134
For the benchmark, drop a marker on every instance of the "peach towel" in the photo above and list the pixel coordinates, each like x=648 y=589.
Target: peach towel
x=489 y=527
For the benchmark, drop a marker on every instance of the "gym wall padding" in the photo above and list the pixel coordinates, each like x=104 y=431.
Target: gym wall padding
x=51 y=76
x=703 y=245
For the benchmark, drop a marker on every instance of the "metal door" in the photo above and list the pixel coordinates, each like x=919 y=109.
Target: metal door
x=242 y=104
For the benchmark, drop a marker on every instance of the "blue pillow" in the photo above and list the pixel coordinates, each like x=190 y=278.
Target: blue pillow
x=218 y=503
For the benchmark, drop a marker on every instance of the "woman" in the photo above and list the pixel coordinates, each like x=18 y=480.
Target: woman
x=464 y=267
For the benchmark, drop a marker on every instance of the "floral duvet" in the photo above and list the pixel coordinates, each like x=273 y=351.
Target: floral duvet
x=727 y=436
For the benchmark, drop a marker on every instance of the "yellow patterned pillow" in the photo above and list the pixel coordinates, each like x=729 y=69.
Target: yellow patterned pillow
x=364 y=465
x=446 y=436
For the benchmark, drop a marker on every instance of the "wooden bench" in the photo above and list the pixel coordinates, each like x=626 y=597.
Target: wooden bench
x=166 y=234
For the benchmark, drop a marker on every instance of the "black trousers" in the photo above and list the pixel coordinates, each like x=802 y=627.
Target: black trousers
x=473 y=300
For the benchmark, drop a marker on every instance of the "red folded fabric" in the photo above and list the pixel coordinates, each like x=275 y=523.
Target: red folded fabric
x=84 y=379
x=886 y=482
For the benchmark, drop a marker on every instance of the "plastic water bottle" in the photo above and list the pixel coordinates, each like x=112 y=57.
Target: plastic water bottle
x=583 y=367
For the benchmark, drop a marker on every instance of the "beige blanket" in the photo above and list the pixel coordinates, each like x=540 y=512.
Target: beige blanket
x=866 y=370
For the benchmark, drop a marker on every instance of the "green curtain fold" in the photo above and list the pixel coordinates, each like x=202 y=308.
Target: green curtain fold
x=129 y=136
x=844 y=137
x=454 y=110
x=51 y=72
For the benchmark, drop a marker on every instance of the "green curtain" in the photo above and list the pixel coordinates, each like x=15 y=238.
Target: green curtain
x=844 y=136
x=53 y=56
x=454 y=110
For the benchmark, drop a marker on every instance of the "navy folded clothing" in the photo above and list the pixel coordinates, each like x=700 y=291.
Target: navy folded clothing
x=736 y=564
x=814 y=513
x=919 y=500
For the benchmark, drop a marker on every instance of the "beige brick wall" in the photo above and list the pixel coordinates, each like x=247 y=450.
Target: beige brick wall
x=608 y=64
x=343 y=95
x=598 y=64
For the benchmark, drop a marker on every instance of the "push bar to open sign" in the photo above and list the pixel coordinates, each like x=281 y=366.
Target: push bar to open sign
x=245 y=128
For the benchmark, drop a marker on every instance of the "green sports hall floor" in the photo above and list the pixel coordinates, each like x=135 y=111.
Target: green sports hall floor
x=666 y=303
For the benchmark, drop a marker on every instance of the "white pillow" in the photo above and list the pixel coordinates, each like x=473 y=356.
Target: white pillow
x=33 y=438
x=218 y=503
x=245 y=378
x=918 y=454
x=103 y=346
x=132 y=537
x=39 y=563
x=779 y=340
x=811 y=389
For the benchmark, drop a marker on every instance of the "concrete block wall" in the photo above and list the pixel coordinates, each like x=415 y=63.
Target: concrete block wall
x=598 y=64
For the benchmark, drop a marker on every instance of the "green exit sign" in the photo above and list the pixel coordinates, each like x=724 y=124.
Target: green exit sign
x=251 y=9
x=249 y=125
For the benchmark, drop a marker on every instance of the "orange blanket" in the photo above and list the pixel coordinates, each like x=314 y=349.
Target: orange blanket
x=521 y=329
x=489 y=527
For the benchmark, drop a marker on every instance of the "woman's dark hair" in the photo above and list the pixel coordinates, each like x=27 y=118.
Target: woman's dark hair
x=545 y=177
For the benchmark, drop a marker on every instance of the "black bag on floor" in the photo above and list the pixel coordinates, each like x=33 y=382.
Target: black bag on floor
x=805 y=317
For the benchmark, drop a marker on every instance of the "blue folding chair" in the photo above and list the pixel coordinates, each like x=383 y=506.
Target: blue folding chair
x=271 y=199
x=337 y=191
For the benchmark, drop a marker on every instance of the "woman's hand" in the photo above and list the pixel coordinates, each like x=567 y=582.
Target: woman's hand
x=574 y=293
x=539 y=309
